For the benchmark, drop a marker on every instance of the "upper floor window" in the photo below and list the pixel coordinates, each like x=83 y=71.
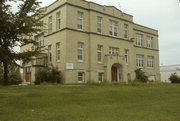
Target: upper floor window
x=149 y=42
x=40 y=40
x=139 y=39
x=49 y=54
x=99 y=24
x=50 y=24
x=100 y=53
x=126 y=31
x=113 y=28
x=80 y=49
x=58 y=21
x=139 y=60
x=150 y=62
x=126 y=56
x=113 y=51
x=58 y=52
x=80 y=20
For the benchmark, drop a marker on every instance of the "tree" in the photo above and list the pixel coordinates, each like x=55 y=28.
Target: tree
x=16 y=29
x=174 y=78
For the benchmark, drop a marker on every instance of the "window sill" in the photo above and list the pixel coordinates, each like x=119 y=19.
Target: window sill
x=113 y=36
x=58 y=61
x=101 y=63
x=150 y=68
x=80 y=29
x=80 y=61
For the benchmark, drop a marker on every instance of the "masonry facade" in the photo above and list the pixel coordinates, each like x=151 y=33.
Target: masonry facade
x=91 y=42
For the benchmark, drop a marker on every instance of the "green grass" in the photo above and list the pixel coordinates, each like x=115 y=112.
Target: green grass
x=134 y=102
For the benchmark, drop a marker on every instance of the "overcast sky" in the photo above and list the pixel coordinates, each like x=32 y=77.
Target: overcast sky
x=163 y=15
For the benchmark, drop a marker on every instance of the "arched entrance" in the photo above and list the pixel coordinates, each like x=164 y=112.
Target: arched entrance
x=116 y=73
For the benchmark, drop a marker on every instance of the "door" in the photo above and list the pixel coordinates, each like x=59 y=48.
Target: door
x=28 y=74
x=114 y=74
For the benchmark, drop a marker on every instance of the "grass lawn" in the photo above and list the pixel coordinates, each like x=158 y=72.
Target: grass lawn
x=135 y=102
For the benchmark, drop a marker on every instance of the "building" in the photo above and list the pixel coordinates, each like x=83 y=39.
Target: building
x=90 y=42
x=167 y=70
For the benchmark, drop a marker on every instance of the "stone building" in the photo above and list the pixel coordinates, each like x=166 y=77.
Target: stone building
x=91 y=42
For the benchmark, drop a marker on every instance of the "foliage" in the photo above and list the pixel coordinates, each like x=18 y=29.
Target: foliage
x=141 y=76
x=14 y=75
x=16 y=29
x=174 y=78
x=48 y=75
x=1 y=73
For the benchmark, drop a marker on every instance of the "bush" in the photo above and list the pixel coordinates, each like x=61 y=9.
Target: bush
x=14 y=75
x=15 y=78
x=48 y=76
x=140 y=76
x=174 y=78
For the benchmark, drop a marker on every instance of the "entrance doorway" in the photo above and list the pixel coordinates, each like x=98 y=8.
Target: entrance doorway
x=116 y=73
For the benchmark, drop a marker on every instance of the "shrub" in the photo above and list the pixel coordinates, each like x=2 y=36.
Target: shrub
x=174 y=78
x=140 y=76
x=14 y=75
x=48 y=75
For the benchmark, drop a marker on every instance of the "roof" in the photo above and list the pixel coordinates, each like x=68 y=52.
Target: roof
x=170 y=68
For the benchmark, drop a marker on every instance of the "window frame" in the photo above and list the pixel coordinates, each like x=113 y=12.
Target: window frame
x=101 y=76
x=82 y=80
x=150 y=61
x=149 y=42
x=126 y=31
x=100 y=53
x=80 y=48
x=114 y=51
x=80 y=20
x=50 y=25
x=58 y=20
x=126 y=56
x=99 y=24
x=139 y=39
x=140 y=61
x=113 y=28
x=49 y=53
x=58 y=52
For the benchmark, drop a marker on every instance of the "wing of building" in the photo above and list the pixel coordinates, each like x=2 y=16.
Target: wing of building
x=167 y=70
x=90 y=42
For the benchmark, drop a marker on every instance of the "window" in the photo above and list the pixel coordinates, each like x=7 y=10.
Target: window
x=139 y=39
x=50 y=25
x=58 y=21
x=113 y=28
x=49 y=54
x=80 y=21
x=58 y=52
x=139 y=60
x=150 y=63
x=152 y=78
x=101 y=77
x=126 y=31
x=100 y=53
x=40 y=40
x=99 y=24
x=149 y=42
x=80 y=49
x=81 y=77
x=126 y=56
x=113 y=51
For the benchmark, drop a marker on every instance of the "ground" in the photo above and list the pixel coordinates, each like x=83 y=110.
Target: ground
x=120 y=102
